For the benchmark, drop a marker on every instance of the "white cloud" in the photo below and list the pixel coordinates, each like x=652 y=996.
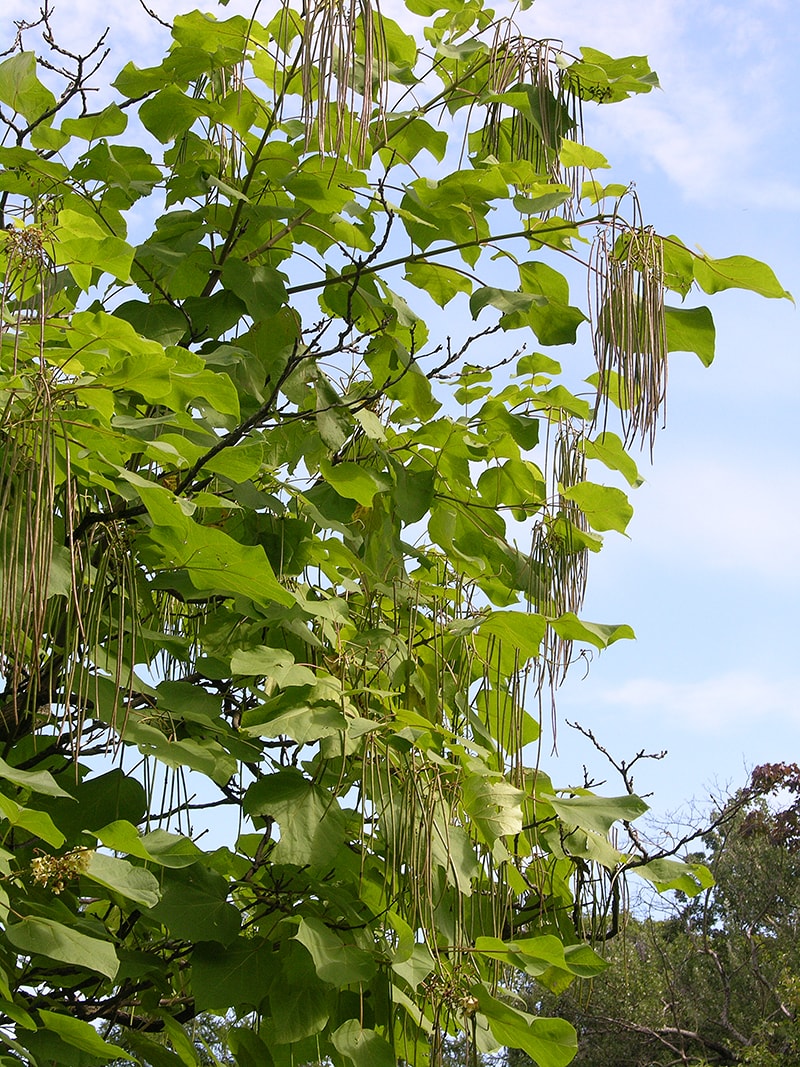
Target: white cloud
x=725 y=68
x=734 y=701
x=704 y=514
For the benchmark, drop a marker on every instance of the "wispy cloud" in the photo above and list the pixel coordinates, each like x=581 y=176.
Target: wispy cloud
x=734 y=701
x=725 y=69
x=705 y=514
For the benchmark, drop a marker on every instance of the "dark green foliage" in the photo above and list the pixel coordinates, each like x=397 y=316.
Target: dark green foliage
x=713 y=980
x=264 y=572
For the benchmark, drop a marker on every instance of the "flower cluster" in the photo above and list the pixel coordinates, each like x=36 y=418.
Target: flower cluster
x=55 y=871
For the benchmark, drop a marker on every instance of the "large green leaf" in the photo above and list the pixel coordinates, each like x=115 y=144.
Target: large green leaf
x=159 y=846
x=135 y=883
x=441 y=283
x=45 y=937
x=300 y=1002
x=335 y=961
x=355 y=482
x=549 y=1042
x=83 y=245
x=36 y=822
x=260 y=288
x=670 y=874
x=106 y=123
x=311 y=823
x=554 y=320
x=169 y=113
x=521 y=631
x=494 y=805
x=214 y=561
x=605 y=506
x=21 y=89
x=82 y=1035
x=239 y=974
x=597 y=813
x=599 y=634
x=609 y=449
x=738 y=272
x=691 y=330
x=364 y=1048
x=194 y=905
x=37 y=781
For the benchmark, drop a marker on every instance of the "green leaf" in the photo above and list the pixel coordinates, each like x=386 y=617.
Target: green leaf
x=134 y=883
x=301 y=722
x=502 y=299
x=522 y=631
x=194 y=906
x=416 y=967
x=597 y=813
x=336 y=962
x=83 y=245
x=549 y=1042
x=36 y=822
x=536 y=954
x=151 y=1052
x=21 y=89
x=738 y=272
x=355 y=482
x=169 y=113
x=541 y=197
x=37 y=781
x=670 y=874
x=261 y=288
x=213 y=560
x=452 y=850
x=605 y=506
x=439 y=282
x=45 y=937
x=160 y=322
x=691 y=330
x=601 y=635
x=494 y=805
x=165 y=849
x=82 y=1035
x=274 y=663
x=311 y=823
x=414 y=493
x=595 y=191
x=48 y=138
x=364 y=1048
x=242 y=973
x=573 y=154
x=609 y=449
x=408 y=135
x=113 y=794
x=300 y=1003
x=678 y=265
x=106 y=123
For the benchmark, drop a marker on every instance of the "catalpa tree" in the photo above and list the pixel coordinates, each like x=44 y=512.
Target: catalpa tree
x=291 y=554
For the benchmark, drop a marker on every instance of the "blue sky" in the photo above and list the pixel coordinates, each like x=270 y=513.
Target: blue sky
x=710 y=576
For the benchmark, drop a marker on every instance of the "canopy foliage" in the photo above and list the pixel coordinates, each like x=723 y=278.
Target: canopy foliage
x=292 y=556
x=712 y=981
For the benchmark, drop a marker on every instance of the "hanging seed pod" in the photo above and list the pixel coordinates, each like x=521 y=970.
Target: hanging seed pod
x=27 y=512
x=630 y=336
x=340 y=80
x=533 y=133
x=559 y=557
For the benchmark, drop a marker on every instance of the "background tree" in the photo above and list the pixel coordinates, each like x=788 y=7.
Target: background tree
x=284 y=562
x=712 y=980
